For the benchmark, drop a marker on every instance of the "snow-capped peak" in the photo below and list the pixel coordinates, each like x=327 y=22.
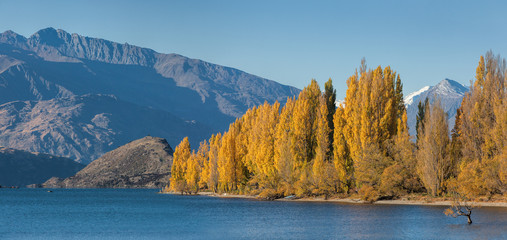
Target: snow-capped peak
x=409 y=99
x=340 y=102
x=450 y=87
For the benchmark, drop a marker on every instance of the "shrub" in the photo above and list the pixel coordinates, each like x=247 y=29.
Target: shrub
x=270 y=194
x=368 y=193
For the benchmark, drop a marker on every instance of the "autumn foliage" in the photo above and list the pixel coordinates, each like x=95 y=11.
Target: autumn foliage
x=311 y=147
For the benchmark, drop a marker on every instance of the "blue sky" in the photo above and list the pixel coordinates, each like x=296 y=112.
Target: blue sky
x=290 y=41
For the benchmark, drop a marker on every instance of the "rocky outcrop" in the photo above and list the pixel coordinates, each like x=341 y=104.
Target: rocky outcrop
x=144 y=163
x=21 y=168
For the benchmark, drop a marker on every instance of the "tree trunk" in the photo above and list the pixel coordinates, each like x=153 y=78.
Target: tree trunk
x=469 y=219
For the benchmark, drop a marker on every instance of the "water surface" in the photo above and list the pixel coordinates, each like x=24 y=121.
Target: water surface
x=144 y=214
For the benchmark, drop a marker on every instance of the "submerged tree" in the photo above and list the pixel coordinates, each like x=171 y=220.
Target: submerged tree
x=460 y=207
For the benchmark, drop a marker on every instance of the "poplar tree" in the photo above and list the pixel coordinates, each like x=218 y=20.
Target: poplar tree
x=434 y=162
x=229 y=167
x=284 y=157
x=203 y=161
x=304 y=125
x=215 y=144
x=482 y=131
x=179 y=166
x=372 y=110
x=342 y=159
x=192 y=174
x=421 y=110
x=264 y=144
x=323 y=174
x=330 y=97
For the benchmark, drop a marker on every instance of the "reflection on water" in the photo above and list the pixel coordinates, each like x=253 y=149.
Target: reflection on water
x=143 y=214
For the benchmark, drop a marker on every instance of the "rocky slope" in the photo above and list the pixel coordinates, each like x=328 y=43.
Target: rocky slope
x=85 y=127
x=20 y=168
x=449 y=92
x=144 y=163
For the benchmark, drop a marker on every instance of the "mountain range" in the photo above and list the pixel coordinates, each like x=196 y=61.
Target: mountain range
x=80 y=97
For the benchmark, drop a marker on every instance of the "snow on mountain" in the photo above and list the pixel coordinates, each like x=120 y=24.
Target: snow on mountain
x=409 y=99
x=448 y=91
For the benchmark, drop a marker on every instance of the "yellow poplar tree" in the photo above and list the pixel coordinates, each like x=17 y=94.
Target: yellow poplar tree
x=342 y=159
x=283 y=158
x=230 y=168
x=203 y=160
x=215 y=145
x=434 y=162
x=304 y=135
x=264 y=141
x=481 y=131
x=179 y=166
x=192 y=175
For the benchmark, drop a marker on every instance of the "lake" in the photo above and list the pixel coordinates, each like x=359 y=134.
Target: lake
x=144 y=214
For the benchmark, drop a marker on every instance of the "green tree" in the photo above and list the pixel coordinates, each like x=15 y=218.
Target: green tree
x=330 y=96
x=421 y=110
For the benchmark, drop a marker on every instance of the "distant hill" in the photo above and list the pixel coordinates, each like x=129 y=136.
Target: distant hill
x=449 y=92
x=53 y=64
x=85 y=127
x=144 y=163
x=21 y=168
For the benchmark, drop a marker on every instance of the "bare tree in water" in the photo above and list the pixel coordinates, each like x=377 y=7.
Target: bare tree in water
x=460 y=207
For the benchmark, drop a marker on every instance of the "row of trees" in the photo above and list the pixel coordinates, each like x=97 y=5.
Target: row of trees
x=311 y=147
x=479 y=140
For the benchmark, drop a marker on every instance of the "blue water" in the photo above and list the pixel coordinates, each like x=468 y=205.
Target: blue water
x=144 y=214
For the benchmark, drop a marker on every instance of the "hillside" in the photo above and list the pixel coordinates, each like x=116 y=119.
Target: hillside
x=21 y=168
x=143 y=163
x=85 y=127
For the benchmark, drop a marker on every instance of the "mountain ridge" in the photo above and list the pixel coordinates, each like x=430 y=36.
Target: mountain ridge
x=54 y=64
x=229 y=87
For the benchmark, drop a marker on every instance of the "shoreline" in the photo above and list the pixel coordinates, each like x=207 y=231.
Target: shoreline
x=435 y=202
